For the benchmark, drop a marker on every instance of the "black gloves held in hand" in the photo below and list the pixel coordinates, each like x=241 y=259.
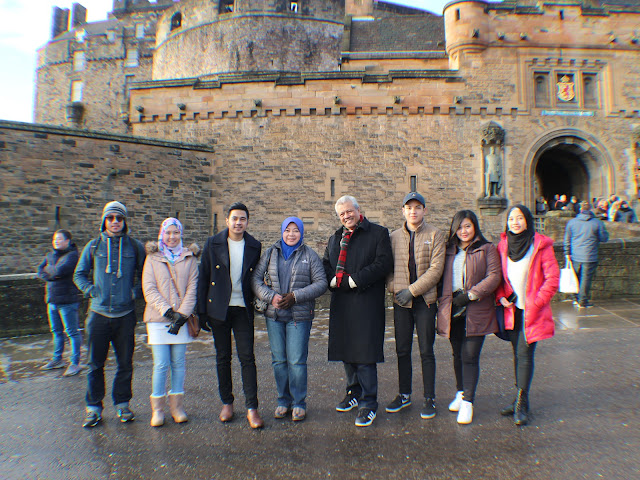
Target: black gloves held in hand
x=461 y=300
x=204 y=323
x=174 y=327
x=404 y=297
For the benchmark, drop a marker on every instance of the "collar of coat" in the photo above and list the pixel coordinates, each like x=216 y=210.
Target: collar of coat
x=152 y=247
x=220 y=238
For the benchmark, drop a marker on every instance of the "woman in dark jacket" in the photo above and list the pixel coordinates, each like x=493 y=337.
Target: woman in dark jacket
x=466 y=308
x=62 y=299
x=289 y=277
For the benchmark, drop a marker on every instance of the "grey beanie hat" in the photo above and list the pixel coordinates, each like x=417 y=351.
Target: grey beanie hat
x=113 y=208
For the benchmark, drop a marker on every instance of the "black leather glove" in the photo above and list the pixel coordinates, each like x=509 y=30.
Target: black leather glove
x=204 y=323
x=178 y=322
x=287 y=301
x=461 y=300
x=404 y=297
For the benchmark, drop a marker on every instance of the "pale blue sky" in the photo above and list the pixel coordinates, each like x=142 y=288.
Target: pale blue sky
x=26 y=26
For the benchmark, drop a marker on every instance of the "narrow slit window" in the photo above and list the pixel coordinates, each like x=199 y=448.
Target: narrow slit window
x=413 y=183
x=76 y=91
x=78 y=61
x=293 y=6
x=176 y=20
x=131 y=59
x=333 y=187
x=541 y=86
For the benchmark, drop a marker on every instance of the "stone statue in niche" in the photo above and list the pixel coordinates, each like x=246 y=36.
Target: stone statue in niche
x=492 y=173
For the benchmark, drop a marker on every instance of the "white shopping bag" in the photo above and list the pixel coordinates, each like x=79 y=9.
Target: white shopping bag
x=568 y=279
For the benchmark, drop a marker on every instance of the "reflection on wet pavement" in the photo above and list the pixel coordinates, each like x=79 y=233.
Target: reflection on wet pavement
x=22 y=357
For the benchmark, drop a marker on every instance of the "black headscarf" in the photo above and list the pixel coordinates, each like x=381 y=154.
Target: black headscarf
x=519 y=243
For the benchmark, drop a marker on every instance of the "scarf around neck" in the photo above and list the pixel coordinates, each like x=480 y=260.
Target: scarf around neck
x=342 y=257
x=519 y=243
x=171 y=254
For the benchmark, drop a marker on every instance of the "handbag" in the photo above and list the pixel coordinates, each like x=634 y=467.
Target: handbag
x=501 y=333
x=568 y=279
x=193 y=325
x=259 y=305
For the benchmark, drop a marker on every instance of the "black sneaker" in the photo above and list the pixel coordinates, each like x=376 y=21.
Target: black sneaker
x=125 y=415
x=91 y=419
x=349 y=403
x=365 y=417
x=399 y=403
x=429 y=409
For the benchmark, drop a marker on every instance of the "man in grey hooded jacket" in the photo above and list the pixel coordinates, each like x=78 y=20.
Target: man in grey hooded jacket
x=582 y=237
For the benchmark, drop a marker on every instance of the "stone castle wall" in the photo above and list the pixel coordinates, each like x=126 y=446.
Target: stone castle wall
x=54 y=178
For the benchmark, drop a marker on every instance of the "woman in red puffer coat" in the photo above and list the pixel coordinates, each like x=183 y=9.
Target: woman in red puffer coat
x=530 y=280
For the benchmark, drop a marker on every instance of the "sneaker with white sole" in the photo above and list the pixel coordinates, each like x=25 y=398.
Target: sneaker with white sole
x=348 y=403
x=125 y=414
x=429 y=409
x=465 y=415
x=398 y=403
x=365 y=417
x=72 y=370
x=455 y=405
x=53 y=364
x=91 y=419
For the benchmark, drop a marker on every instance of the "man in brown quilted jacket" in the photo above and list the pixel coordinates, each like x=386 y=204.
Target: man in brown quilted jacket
x=418 y=263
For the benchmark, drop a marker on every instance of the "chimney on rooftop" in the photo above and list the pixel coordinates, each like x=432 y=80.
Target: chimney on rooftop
x=78 y=15
x=60 y=21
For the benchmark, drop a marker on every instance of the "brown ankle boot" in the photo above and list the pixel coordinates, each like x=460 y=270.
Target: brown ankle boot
x=176 y=407
x=254 y=418
x=157 y=411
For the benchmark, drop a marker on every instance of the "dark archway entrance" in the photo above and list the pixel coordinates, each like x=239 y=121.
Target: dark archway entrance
x=571 y=162
x=562 y=171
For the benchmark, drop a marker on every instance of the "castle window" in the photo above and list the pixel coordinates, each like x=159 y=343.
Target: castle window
x=80 y=35
x=413 y=183
x=590 y=90
x=225 y=6
x=457 y=14
x=78 y=61
x=541 y=91
x=176 y=20
x=139 y=30
x=111 y=36
x=333 y=187
x=76 y=91
x=131 y=60
x=293 y=6
x=561 y=14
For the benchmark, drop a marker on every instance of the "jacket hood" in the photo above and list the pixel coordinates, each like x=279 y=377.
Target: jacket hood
x=152 y=247
x=585 y=216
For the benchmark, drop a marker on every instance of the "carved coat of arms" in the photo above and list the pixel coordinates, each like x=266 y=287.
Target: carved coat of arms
x=566 y=89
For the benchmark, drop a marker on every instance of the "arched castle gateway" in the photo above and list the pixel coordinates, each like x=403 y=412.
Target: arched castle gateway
x=304 y=101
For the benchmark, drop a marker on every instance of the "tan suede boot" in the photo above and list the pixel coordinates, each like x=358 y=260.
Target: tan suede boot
x=157 y=409
x=177 y=410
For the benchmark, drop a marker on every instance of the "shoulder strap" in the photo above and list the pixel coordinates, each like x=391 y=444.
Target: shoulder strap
x=173 y=280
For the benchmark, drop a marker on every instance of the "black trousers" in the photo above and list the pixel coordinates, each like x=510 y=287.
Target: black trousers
x=466 y=358
x=422 y=317
x=362 y=383
x=241 y=325
x=101 y=332
x=523 y=353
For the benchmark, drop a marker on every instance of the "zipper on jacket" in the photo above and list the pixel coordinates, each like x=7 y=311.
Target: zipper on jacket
x=526 y=287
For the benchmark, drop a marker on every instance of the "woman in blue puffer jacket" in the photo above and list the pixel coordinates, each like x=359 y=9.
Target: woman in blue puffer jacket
x=289 y=277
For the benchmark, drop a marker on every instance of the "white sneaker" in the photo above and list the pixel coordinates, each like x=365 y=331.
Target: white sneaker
x=455 y=405
x=465 y=415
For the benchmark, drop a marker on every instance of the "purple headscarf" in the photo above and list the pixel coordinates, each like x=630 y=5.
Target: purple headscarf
x=172 y=254
x=286 y=249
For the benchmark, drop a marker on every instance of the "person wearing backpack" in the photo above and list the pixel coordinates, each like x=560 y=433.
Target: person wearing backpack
x=109 y=272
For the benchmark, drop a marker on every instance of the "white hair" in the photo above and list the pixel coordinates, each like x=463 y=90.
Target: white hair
x=347 y=199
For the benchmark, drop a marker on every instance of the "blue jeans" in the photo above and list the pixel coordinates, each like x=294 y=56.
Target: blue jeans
x=585 y=271
x=102 y=331
x=165 y=356
x=289 y=350
x=65 y=317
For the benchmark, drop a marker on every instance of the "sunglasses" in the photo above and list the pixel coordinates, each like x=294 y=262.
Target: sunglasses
x=115 y=218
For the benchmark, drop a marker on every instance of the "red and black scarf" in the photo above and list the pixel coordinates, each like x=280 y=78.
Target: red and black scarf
x=342 y=257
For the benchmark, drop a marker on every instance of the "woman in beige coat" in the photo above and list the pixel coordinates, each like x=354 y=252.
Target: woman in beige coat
x=169 y=281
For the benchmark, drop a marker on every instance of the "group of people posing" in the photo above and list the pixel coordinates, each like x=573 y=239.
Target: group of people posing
x=456 y=286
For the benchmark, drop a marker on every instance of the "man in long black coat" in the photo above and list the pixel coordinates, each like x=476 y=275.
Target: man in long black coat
x=357 y=260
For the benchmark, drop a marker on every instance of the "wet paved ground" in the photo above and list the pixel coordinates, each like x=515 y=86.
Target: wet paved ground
x=585 y=400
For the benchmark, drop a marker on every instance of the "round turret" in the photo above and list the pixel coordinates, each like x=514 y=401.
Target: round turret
x=199 y=37
x=466 y=25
